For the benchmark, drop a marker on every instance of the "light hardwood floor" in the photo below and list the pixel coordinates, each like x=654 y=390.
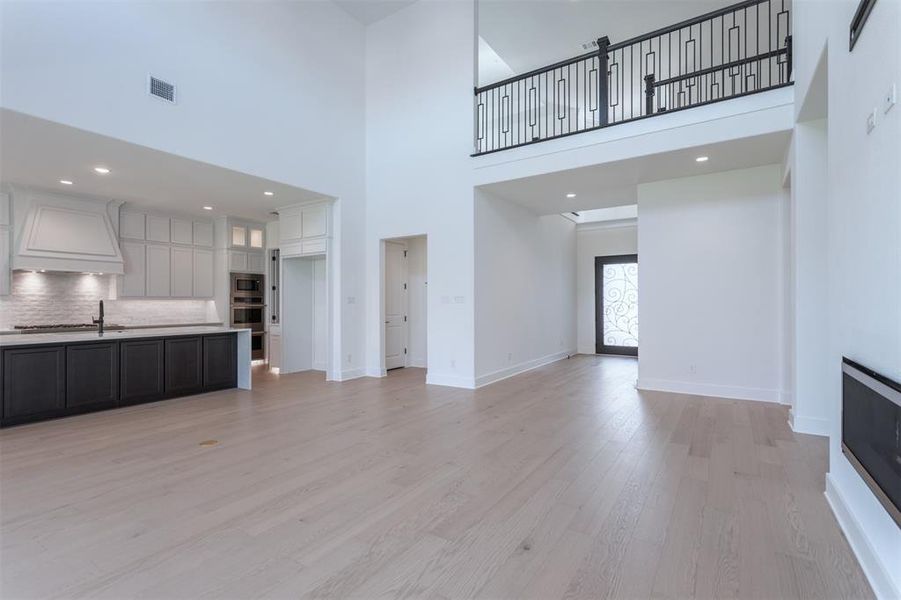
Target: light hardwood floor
x=560 y=483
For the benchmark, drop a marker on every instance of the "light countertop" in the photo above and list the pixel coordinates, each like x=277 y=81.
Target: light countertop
x=29 y=339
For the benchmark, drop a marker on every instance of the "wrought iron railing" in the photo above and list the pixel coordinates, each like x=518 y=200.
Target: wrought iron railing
x=738 y=50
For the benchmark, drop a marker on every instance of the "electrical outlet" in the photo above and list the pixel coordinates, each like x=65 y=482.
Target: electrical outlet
x=509 y=357
x=350 y=359
x=891 y=98
x=871 y=121
x=453 y=364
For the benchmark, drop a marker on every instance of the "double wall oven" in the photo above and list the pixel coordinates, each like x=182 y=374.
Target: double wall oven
x=248 y=309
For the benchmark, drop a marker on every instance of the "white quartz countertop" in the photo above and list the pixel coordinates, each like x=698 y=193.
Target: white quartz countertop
x=29 y=339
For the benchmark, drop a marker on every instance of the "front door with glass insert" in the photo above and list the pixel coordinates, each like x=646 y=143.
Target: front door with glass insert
x=616 y=304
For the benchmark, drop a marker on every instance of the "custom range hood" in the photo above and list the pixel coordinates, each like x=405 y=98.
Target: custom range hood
x=56 y=232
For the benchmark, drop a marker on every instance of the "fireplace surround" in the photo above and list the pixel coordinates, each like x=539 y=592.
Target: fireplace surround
x=871 y=432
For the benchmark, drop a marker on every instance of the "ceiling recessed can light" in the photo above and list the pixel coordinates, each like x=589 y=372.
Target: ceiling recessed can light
x=570 y=195
x=65 y=182
x=702 y=159
x=101 y=170
x=207 y=208
x=269 y=193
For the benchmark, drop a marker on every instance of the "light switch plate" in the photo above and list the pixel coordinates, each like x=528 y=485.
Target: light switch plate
x=891 y=98
x=871 y=121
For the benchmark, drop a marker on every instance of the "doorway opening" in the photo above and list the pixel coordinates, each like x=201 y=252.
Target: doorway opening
x=405 y=294
x=616 y=304
x=304 y=318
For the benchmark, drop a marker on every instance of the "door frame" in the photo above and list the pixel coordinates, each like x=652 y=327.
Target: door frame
x=600 y=347
x=406 y=306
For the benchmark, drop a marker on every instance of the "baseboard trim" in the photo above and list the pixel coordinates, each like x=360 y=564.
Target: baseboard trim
x=809 y=425
x=709 y=389
x=348 y=374
x=869 y=561
x=500 y=375
x=418 y=362
x=446 y=380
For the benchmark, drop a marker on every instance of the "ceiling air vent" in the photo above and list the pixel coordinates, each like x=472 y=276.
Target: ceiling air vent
x=161 y=89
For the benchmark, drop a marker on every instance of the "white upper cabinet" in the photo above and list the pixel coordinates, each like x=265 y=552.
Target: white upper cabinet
x=290 y=225
x=315 y=221
x=237 y=261
x=160 y=258
x=157 y=229
x=181 y=272
x=182 y=231
x=303 y=229
x=133 y=282
x=203 y=273
x=256 y=262
x=203 y=234
x=158 y=271
x=131 y=225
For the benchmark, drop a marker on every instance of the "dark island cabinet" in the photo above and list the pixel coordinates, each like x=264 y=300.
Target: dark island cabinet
x=92 y=376
x=40 y=382
x=141 y=365
x=184 y=366
x=34 y=383
x=220 y=358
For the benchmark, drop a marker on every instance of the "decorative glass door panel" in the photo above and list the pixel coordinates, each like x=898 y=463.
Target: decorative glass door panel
x=616 y=304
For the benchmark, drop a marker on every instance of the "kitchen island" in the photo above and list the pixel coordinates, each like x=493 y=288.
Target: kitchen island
x=48 y=375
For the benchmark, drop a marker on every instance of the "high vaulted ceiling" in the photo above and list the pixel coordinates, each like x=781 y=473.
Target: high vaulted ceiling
x=39 y=153
x=370 y=11
x=527 y=34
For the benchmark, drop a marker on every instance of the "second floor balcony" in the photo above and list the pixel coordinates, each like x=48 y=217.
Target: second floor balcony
x=741 y=49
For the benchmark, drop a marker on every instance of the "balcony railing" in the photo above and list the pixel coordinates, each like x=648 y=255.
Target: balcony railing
x=738 y=50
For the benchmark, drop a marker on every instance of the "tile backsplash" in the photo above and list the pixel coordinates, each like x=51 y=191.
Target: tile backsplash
x=72 y=298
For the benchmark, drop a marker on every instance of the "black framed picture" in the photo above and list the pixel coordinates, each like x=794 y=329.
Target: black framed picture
x=859 y=20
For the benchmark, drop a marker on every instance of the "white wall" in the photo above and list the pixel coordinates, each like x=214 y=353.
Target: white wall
x=863 y=242
x=420 y=70
x=272 y=89
x=592 y=240
x=711 y=283
x=525 y=288
x=418 y=297
x=809 y=280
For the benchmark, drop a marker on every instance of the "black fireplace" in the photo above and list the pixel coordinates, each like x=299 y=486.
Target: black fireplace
x=871 y=431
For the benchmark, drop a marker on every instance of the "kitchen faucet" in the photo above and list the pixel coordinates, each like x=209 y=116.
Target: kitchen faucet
x=99 y=322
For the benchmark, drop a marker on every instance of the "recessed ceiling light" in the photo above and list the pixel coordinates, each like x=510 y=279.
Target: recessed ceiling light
x=101 y=170
x=269 y=193
x=207 y=208
x=65 y=182
x=570 y=195
x=702 y=159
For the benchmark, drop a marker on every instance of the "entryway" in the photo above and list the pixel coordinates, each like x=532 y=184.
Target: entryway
x=616 y=304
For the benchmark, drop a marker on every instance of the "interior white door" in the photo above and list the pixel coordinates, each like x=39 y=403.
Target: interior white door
x=395 y=305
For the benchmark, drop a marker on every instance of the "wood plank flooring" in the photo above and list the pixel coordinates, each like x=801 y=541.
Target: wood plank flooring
x=560 y=483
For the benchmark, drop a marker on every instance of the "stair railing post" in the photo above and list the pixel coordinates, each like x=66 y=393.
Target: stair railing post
x=788 y=58
x=603 y=90
x=649 y=94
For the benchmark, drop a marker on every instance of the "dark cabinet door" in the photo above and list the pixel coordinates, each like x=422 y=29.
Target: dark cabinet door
x=92 y=375
x=220 y=359
x=140 y=371
x=34 y=383
x=184 y=366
